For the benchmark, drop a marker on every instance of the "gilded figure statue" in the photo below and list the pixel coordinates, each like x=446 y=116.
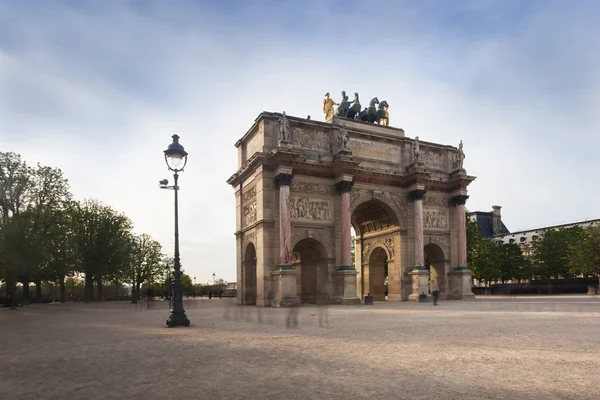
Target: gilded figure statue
x=382 y=114
x=328 y=104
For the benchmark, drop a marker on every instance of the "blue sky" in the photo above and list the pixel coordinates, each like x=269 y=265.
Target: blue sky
x=98 y=87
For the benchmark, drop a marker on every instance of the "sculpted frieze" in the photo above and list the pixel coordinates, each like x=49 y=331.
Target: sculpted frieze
x=311 y=188
x=433 y=159
x=312 y=140
x=435 y=201
x=249 y=194
x=249 y=214
x=435 y=219
x=310 y=208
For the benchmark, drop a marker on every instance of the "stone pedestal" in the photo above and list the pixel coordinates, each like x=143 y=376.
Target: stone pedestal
x=283 y=288
x=592 y=290
x=344 y=284
x=420 y=284
x=460 y=283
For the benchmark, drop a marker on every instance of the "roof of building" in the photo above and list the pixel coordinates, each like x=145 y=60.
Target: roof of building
x=485 y=221
x=529 y=235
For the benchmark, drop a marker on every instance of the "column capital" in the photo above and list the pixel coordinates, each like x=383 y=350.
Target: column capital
x=461 y=199
x=283 y=179
x=417 y=194
x=344 y=186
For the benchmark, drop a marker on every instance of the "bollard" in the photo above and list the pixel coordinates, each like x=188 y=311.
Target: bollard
x=368 y=300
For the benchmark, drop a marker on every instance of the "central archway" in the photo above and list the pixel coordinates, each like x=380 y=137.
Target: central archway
x=378 y=274
x=377 y=244
x=310 y=262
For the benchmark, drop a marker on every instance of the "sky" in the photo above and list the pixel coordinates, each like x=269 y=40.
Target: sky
x=97 y=88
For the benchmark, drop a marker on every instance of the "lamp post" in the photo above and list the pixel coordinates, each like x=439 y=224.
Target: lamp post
x=133 y=247
x=174 y=156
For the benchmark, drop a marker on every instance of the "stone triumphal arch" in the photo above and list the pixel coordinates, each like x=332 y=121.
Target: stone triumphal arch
x=301 y=187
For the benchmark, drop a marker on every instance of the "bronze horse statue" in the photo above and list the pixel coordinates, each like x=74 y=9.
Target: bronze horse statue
x=383 y=117
x=354 y=110
x=370 y=114
x=343 y=106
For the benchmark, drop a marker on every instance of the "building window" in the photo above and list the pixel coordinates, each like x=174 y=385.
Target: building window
x=523 y=239
x=511 y=241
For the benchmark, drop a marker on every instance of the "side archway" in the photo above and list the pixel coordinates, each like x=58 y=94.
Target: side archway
x=436 y=262
x=249 y=273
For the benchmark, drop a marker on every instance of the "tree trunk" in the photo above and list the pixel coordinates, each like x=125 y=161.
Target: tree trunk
x=10 y=290
x=99 y=284
x=38 y=291
x=25 y=290
x=62 y=289
x=89 y=289
x=137 y=290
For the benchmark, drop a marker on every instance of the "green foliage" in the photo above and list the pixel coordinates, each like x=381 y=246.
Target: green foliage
x=511 y=263
x=481 y=254
x=45 y=236
x=551 y=252
x=584 y=254
x=353 y=251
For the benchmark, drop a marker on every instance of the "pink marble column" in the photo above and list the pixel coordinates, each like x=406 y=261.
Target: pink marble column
x=344 y=187
x=417 y=197
x=283 y=181
x=461 y=227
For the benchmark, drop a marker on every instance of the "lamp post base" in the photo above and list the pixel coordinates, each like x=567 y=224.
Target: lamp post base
x=177 y=319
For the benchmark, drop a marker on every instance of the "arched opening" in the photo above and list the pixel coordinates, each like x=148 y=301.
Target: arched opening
x=250 y=275
x=310 y=262
x=436 y=262
x=378 y=273
x=377 y=236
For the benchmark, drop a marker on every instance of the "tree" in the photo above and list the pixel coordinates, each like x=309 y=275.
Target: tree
x=353 y=251
x=147 y=263
x=550 y=252
x=481 y=254
x=103 y=243
x=511 y=262
x=584 y=255
x=15 y=184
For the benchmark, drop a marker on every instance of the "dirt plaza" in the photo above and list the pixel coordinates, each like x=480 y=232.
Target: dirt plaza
x=490 y=348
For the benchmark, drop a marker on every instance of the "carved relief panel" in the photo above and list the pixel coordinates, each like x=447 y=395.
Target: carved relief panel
x=312 y=209
x=312 y=188
x=249 y=211
x=437 y=219
x=312 y=140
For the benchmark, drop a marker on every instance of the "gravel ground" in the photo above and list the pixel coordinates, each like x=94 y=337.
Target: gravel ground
x=491 y=348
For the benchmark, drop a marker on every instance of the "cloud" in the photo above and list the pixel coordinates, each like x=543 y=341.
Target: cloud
x=98 y=88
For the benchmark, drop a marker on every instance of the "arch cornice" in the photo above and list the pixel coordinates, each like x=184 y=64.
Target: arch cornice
x=395 y=201
x=320 y=236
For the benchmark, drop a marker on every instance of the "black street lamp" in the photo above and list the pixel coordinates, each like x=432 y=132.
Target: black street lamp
x=174 y=156
x=134 y=247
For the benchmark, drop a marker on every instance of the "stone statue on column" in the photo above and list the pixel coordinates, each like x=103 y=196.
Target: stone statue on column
x=416 y=151
x=285 y=129
x=459 y=157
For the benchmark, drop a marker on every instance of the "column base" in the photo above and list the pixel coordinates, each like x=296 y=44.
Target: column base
x=460 y=283
x=344 y=282
x=283 y=287
x=420 y=284
x=177 y=319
